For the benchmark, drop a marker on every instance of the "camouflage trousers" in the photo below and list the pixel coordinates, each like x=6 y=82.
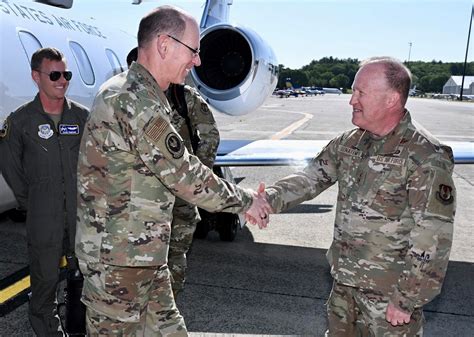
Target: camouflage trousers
x=130 y=301
x=353 y=312
x=185 y=218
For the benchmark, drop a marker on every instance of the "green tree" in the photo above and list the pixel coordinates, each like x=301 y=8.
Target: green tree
x=339 y=81
x=427 y=76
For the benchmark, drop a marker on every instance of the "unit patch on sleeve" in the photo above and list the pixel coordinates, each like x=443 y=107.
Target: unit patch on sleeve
x=442 y=199
x=444 y=194
x=4 y=128
x=174 y=145
x=68 y=129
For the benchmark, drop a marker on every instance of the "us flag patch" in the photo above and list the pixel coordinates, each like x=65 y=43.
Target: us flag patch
x=156 y=130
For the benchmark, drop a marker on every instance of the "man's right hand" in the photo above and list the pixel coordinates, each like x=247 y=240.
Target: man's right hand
x=258 y=213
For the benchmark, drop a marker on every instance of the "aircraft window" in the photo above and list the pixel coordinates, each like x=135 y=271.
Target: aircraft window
x=114 y=61
x=83 y=63
x=29 y=42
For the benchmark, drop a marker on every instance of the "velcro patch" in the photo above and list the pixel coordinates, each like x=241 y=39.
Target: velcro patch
x=4 y=128
x=174 y=145
x=68 y=129
x=156 y=129
x=349 y=151
x=445 y=194
x=442 y=197
x=389 y=160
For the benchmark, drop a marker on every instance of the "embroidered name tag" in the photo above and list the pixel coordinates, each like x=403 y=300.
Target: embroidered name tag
x=349 y=151
x=389 y=160
x=68 y=129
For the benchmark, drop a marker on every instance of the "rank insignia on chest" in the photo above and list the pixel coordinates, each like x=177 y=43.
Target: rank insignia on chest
x=68 y=129
x=44 y=131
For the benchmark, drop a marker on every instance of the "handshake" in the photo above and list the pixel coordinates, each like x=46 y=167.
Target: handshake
x=258 y=213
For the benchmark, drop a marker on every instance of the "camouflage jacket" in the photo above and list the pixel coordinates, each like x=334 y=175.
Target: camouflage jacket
x=202 y=123
x=395 y=210
x=132 y=163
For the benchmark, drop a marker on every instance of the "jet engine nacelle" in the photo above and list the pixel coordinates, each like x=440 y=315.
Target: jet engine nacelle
x=238 y=71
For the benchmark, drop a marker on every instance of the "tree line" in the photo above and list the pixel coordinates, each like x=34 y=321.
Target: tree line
x=339 y=73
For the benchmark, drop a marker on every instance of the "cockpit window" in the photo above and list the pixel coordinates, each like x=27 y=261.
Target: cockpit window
x=83 y=63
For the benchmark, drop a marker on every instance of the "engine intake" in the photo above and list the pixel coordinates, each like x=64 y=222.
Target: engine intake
x=226 y=59
x=238 y=69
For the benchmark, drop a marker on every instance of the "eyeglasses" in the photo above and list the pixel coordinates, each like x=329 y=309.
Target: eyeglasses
x=56 y=75
x=193 y=50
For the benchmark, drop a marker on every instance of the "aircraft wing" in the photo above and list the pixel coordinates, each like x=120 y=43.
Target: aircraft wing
x=298 y=152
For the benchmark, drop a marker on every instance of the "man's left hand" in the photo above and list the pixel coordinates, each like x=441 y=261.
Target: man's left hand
x=396 y=316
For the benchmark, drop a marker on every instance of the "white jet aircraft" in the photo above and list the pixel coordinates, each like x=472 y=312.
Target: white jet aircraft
x=239 y=71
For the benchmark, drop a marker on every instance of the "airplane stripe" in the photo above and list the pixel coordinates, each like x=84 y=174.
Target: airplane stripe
x=14 y=289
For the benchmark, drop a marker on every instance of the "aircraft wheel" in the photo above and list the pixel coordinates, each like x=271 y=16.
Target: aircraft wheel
x=17 y=215
x=228 y=224
x=204 y=226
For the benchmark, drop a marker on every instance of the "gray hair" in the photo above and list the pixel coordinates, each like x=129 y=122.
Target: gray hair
x=162 y=20
x=398 y=76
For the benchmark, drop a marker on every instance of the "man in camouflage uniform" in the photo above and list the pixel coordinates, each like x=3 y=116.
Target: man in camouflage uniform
x=395 y=209
x=132 y=163
x=194 y=122
x=196 y=125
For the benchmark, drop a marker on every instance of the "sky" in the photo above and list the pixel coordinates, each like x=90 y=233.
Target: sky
x=300 y=31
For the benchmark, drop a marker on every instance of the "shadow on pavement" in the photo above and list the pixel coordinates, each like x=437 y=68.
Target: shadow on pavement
x=252 y=288
x=244 y=287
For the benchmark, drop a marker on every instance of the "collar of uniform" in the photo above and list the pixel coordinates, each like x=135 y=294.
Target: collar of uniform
x=39 y=106
x=145 y=77
x=398 y=130
x=393 y=143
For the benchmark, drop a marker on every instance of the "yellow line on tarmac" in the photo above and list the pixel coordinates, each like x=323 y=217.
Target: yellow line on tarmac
x=14 y=289
x=292 y=127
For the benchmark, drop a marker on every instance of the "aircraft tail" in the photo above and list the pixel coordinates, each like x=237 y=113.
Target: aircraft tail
x=215 y=11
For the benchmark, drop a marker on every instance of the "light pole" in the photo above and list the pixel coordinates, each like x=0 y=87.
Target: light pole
x=467 y=51
x=409 y=51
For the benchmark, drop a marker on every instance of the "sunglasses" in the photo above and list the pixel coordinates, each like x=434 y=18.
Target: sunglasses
x=193 y=50
x=56 y=75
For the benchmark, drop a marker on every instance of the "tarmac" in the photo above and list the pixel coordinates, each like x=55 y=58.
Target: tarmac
x=275 y=282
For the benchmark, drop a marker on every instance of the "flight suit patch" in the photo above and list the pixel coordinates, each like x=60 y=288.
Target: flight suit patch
x=68 y=129
x=174 y=145
x=44 y=131
x=156 y=129
x=4 y=125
